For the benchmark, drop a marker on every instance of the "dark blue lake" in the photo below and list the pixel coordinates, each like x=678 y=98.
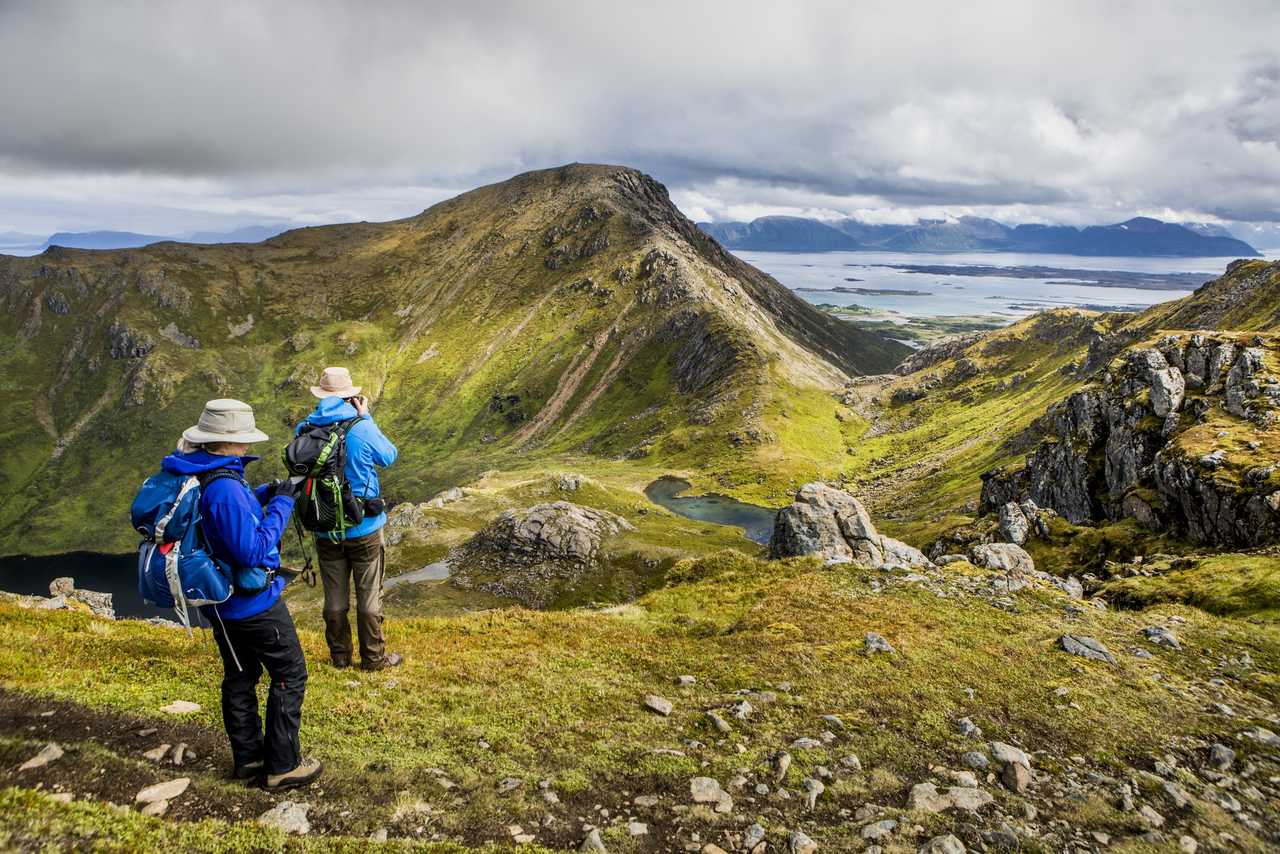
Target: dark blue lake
x=107 y=573
x=756 y=522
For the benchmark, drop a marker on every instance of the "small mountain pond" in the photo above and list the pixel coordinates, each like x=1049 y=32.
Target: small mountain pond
x=756 y=522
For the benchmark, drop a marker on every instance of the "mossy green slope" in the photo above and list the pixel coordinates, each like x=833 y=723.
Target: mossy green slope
x=566 y=310
x=556 y=696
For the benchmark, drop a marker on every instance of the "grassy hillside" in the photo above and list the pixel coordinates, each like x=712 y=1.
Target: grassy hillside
x=565 y=311
x=554 y=699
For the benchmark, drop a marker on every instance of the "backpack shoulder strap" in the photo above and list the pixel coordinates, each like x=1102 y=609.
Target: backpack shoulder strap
x=209 y=477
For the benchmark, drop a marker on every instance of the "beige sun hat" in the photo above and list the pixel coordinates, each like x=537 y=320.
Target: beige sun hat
x=335 y=382
x=225 y=420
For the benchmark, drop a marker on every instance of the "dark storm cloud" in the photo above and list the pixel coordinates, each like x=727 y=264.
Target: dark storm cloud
x=300 y=111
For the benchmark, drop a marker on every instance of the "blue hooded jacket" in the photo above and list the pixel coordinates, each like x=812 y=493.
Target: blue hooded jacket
x=367 y=450
x=238 y=529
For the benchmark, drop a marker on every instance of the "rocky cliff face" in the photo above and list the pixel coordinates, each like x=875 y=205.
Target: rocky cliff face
x=1177 y=435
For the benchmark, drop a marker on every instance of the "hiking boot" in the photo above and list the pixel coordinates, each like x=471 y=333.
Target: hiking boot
x=391 y=659
x=249 y=770
x=342 y=663
x=304 y=775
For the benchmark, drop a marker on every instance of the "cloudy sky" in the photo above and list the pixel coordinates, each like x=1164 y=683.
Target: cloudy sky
x=166 y=117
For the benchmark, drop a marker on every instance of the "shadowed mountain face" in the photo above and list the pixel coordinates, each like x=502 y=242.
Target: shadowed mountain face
x=567 y=310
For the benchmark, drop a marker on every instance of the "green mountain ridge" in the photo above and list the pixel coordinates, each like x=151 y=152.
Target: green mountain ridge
x=551 y=345
x=567 y=310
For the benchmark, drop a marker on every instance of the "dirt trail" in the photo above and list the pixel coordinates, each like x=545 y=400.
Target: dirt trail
x=569 y=383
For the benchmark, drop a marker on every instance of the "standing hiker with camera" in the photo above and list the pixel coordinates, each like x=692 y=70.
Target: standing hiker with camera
x=338 y=451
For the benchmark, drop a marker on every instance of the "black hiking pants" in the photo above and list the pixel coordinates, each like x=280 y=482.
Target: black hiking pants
x=267 y=640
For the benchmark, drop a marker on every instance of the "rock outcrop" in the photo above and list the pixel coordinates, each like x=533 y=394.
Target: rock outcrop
x=833 y=525
x=1163 y=438
x=533 y=553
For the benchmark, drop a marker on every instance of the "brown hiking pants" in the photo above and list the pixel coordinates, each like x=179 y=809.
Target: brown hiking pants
x=361 y=559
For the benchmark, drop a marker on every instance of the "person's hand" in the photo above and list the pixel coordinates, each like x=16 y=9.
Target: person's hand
x=361 y=403
x=285 y=487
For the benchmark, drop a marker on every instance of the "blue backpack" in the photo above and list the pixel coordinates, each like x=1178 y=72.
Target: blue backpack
x=175 y=569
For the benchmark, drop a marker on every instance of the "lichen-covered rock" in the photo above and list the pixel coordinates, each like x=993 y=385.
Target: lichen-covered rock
x=1002 y=557
x=1126 y=447
x=1014 y=526
x=533 y=554
x=833 y=525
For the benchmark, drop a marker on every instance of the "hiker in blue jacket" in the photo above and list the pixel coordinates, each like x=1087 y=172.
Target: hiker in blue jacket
x=358 y=553
x=253 y=628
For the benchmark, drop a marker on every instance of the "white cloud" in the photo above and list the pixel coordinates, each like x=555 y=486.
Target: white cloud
x=131 y=113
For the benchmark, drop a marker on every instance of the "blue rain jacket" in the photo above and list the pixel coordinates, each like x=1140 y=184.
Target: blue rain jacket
x=367 y=451
x=239 y=530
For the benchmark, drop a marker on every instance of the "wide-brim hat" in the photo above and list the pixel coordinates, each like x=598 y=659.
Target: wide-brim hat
x=335 y=382
x=225 y=421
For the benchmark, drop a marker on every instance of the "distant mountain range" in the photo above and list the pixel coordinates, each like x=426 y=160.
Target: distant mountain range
x=1137 y=236
x=132 y=240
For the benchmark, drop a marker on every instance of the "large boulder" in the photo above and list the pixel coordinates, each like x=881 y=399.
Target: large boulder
x=831 y=524
x=537 y=554
x=559 y=530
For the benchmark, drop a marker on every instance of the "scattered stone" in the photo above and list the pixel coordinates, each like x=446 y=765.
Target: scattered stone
x=1150 y=816
x=166 y=791
x=875 y=643
x=719 y=723
x=852 y=762
x=1002 y=557
x=592 y=842
x=1176 y=793
x=1221 y=757
x=812 y=788
x=1016 y=778
x=925 y=797
x=1263 y=735
x=1100 y=837
x=706 y=790
x=942 y=845
x=1014 y=526
x=509 y=784
x=753 y=837
x=647 y=801
x=805 y=743
x=288 y=816
x=155 y=754
x=1161 y=636
x=976 y=760
x=1007 y=753
x=1002 y=839
x=799 y=843
x=685 y=681
x=1086 y=647
x=661 y=705
x=780 y=762
x=62 y=797
x=879 y=830
x=637 y=828
x=712 y=848
x=833 y=721
x=741 y=710
x=51 y=752
x=180 y=753
x=155 y=809
x=181 y=707
x=1187 y=844
x=968 y=729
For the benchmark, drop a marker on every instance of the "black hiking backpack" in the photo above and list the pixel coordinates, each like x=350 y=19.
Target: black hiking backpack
x=319 y=454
